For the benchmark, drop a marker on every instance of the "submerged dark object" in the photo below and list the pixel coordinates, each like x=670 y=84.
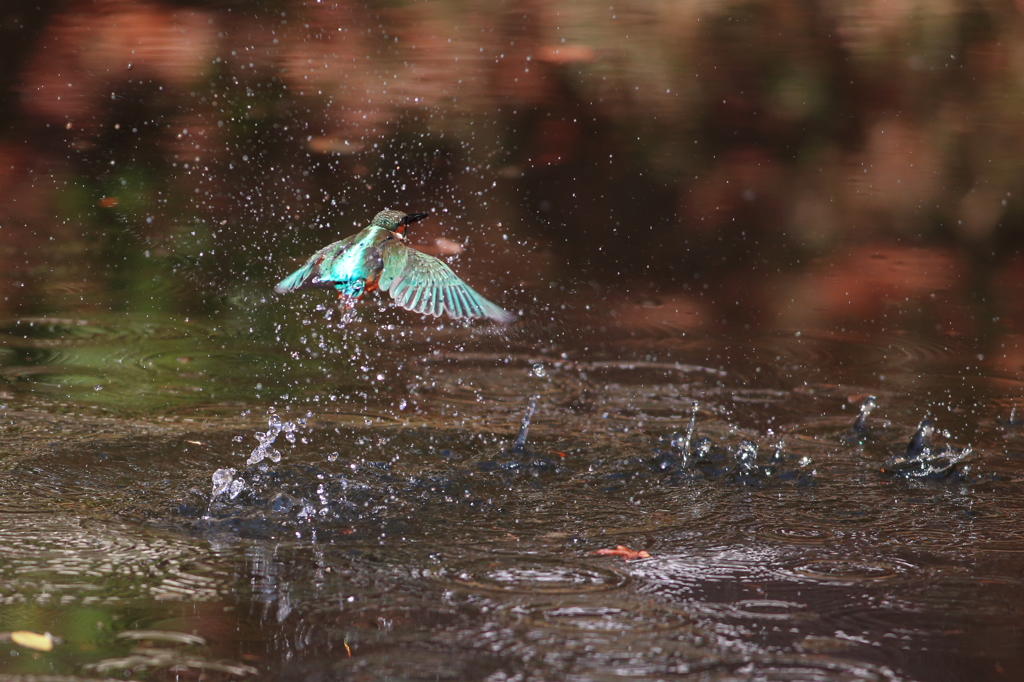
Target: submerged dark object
x=922 y=460
x=377 y=257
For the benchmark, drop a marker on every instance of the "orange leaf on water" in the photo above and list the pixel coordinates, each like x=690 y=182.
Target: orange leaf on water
x=624 y=552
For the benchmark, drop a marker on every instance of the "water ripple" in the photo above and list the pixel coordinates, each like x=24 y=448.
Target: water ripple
x=608 y=617
x=58 y=560
x=849 y=571
x=534 y=575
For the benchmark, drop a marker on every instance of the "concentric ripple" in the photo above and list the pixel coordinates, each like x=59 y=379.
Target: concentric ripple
x=847 y=570
x=607 y=617
x=535 y=575
x=52 y=559
x=795 y=534
x=803 y=669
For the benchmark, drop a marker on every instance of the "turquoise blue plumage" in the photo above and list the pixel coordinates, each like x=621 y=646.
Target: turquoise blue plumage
x=378 y=257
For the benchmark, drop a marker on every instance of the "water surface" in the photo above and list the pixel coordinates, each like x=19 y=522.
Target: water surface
x=727 y=229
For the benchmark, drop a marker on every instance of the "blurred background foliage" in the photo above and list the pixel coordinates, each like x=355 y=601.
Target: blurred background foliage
x=760 y=158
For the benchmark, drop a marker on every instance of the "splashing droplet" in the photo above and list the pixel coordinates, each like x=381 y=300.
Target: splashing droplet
x=265 y=449
x=524 y=426
x=222 y=478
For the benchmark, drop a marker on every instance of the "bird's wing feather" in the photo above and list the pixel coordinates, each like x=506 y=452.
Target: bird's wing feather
x=426 y=285
x=313 y=274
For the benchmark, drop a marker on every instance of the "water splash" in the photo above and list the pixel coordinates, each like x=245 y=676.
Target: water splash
x=746 y=457
x=276 y=426
x=349 y=314
x=858 y=431
x=682 y=447
x=708 y=460
x=778 y=450
x=918 y=444
x=921 y=459
x=1014 y=419
x=222 y=479
x=524 y=426
x=702 y=449
x=225 y=484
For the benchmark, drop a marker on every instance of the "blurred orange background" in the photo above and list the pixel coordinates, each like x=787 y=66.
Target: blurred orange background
x=789 y=164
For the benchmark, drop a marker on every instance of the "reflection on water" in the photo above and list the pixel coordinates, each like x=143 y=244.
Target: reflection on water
x=766 y=259
x=419 y=530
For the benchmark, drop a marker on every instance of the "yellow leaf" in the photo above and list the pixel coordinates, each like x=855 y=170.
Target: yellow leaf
x=32 y=640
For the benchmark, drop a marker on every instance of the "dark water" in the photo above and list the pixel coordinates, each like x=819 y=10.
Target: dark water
x=403 y=536
x=727 y=229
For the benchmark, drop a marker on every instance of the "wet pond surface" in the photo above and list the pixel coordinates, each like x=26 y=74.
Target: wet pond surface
x=388 y=517
x=760 y=417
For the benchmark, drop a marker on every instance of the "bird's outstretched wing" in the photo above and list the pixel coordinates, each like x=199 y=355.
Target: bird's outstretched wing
x=424 y=284
x=316 y=272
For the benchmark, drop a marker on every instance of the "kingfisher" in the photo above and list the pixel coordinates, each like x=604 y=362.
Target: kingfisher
x=378 y=257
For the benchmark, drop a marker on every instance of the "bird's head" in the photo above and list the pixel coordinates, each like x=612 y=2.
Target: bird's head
x=396 y=221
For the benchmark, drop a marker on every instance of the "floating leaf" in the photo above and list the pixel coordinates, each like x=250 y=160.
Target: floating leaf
x=33 y=640
x=624 y=552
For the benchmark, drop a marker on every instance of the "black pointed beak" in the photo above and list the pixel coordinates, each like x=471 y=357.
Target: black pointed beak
x=413 y=217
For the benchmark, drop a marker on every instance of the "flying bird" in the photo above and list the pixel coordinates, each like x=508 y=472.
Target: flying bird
x=379 y=258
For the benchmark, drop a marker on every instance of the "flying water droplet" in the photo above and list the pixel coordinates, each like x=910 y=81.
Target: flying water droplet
x=702 y=448
x=265 y=449
x=524 y=426
x=222 y=478
x=777 y=456
x=858 y=432
x=236 y=487
x=1014 y=420
x=682 y=447
x=746 y=456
